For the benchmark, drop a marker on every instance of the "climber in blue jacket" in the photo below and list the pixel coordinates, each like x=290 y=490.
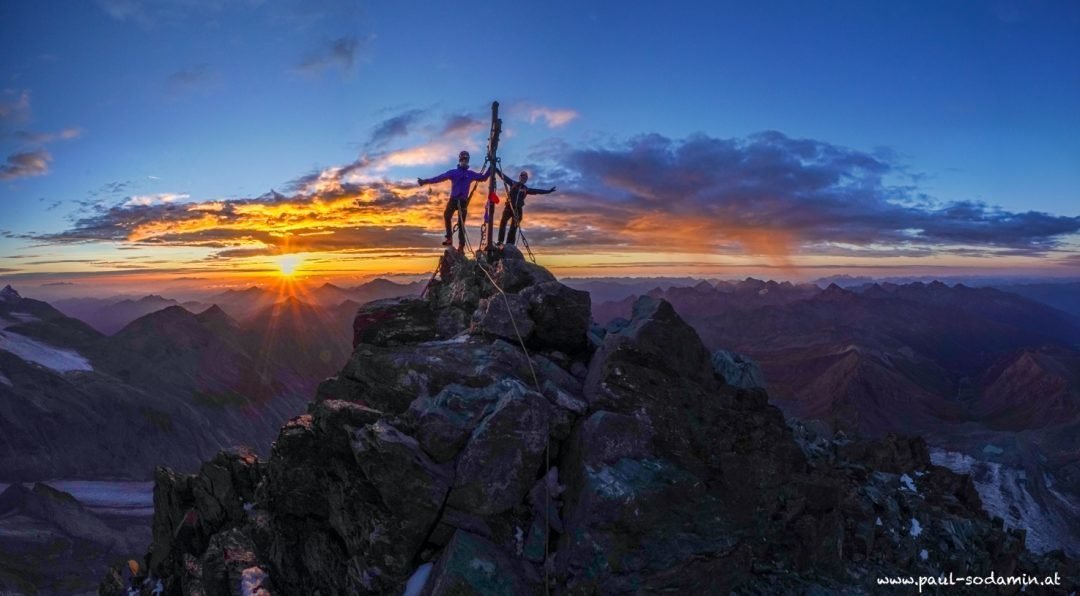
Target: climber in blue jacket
x=460 y=178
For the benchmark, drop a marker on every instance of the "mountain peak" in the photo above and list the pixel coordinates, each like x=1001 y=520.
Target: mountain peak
x=704 y=286
x=439 y=428
x=8 y=294
x=835 y=292
x=215 y=315
x=875 y=291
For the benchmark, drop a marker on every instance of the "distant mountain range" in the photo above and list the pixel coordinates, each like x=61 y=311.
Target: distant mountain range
x=171 y=386
x=980 y=371
x=110 y=315
x=985 y=374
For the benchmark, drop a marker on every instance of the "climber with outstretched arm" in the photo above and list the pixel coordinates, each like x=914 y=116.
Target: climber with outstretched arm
x=460 y=178
x=515 y=203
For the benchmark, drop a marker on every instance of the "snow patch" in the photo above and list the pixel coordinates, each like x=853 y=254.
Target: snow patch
x=877 y=522
x=1005 y=493
x=908 y=483
x=38 y=352
x=418 y=580
x=5 y=381
x=924 y=555
x=251 y=580
x=916 y=528
x=24 y=317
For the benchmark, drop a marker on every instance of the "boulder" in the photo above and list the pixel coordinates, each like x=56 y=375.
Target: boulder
x=504 y=454
x=737 y=370
x=394 y=321
x=388 y=379
x=630 y=522
x=335 y=419
x=561 y=314
x=664 y=340
x=565 y=410
x=514 y=275
x=224 y=486
x=658 y=368
x=471 y=564
x=295 y=474
x=548 y=371
x=389 y=531
x=506 y=317
x=511 y=252
x=460 y=283
x=174 y=504
x=444 y=423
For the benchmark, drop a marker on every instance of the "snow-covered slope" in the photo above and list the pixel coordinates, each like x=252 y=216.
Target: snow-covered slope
x=38 y=352
x=1022 y=501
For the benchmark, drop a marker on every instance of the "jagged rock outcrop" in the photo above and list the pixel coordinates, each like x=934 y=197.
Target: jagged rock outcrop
x=737 y=369
x=618 y=464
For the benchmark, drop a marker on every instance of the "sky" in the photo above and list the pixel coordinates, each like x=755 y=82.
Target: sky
x=157 y=144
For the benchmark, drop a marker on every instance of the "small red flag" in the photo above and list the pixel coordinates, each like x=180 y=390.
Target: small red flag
x=494 y=198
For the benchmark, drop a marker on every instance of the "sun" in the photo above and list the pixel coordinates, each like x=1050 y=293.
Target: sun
x=288 y=264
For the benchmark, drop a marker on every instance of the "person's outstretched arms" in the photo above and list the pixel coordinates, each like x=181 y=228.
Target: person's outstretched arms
x=538 y=191
x=506 y=179
x=444 y=176
x=481 y=176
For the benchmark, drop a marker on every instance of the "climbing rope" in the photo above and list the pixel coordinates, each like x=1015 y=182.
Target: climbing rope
x=438 y=268
x=547 y=437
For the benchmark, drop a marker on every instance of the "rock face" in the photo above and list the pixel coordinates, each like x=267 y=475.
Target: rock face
x=479 y=442
x=737 y=369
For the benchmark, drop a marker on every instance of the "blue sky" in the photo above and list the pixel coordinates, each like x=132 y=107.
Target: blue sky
x=117 y=103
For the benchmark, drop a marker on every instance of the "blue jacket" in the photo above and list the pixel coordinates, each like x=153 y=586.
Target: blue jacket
x=460 y=178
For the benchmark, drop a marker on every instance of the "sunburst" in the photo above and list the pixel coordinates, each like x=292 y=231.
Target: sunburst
x=288 y=264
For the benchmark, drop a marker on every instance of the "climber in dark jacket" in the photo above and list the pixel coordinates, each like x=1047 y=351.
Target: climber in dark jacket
x=460 y=178
x=515 y=203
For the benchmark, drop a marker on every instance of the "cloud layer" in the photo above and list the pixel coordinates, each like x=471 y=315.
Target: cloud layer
x=778 y=195
x=764 y=195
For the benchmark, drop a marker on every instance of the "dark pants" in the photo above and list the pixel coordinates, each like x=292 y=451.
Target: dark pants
x=451 y=206
x=508 y=214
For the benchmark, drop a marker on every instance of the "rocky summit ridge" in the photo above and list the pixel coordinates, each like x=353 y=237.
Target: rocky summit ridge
x=446 y=459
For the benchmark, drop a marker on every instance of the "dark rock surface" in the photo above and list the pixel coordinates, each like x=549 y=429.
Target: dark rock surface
x=626 y=467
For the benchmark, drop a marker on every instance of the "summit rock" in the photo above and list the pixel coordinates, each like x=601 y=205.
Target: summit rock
x=485 y=438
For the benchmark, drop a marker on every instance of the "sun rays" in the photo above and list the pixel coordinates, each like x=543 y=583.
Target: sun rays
x=289 y=264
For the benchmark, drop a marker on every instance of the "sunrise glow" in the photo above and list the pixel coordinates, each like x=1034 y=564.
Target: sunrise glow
x=288 y=264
